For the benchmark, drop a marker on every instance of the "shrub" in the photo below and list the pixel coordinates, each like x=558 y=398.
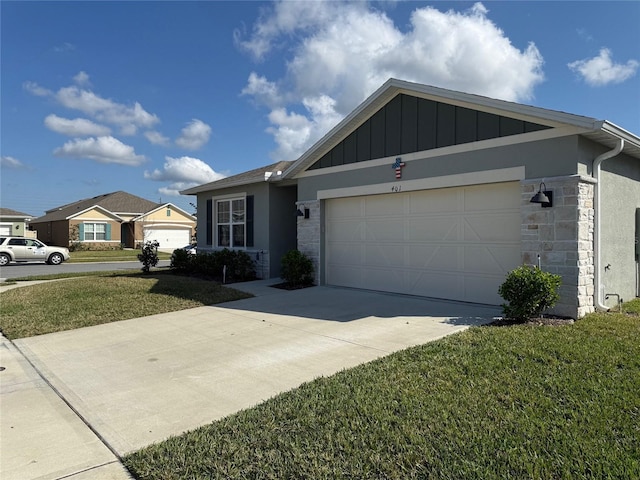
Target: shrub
x=240 y=266
x=181 y=260
x=149 y=255
x=297 y=269
x=529 y=291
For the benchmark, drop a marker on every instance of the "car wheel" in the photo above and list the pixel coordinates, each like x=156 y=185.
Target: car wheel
x=55 y=259
x=4 y=259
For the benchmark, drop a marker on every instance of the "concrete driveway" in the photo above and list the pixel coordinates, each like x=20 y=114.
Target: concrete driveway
x=128 y=384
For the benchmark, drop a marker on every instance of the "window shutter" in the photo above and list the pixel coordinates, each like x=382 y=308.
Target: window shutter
x=209 y=217
x=249 y=222
x=81 y=232
x=107 y=233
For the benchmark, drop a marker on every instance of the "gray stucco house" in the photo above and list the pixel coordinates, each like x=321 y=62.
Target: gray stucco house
x=427 y=191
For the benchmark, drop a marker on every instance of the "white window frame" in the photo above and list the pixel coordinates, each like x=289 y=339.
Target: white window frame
x=229 y=199
x=84 y=233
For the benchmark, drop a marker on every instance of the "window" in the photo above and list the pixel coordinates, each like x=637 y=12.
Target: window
x=168 y=211
x=94 y=231
x=230 y=223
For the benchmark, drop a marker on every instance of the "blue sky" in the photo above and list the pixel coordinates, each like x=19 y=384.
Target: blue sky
x=153 y=97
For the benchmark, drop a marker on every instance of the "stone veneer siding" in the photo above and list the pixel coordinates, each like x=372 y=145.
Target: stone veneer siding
x=309 y=235
x=563 y=237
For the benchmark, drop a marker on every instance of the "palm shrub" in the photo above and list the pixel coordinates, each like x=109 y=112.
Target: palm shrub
x=297 y=269
x=529 y=291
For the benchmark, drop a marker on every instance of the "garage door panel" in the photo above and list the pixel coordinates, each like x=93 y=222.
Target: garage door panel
x=384 y=279
x=346 y=231
x=347 y=208
x=435 y=201
x=456 y=243
x=348 y=254
x=433 y=229
x=383 y=205
x=433 y=284
x=168 y=237
x=384 y=230
x=491 y=197
x=492 y=227
x=384 y=255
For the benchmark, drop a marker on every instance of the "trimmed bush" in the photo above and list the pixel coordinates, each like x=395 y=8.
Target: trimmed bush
x=149 y=255
x=297 y=269
x=529 y=291
x=180 y=260
x=240 y=266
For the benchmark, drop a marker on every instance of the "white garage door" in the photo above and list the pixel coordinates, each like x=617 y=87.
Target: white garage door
x=454 y=243
x=168 y=237
x=5 y=230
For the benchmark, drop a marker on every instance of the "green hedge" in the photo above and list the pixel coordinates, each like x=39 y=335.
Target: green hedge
x=240 y=266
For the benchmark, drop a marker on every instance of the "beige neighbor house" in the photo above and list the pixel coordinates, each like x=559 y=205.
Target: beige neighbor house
x=428 y=191
x=14 y=223
x=114 y=219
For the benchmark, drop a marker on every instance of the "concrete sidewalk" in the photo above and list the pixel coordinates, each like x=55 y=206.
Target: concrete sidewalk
x=137 y=382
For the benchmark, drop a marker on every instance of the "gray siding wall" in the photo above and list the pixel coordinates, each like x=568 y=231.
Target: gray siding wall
x=274 y=223
x=620 y=197
x=282 y=220
x=544 y=158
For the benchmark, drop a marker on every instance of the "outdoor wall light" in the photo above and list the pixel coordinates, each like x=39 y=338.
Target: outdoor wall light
x=543 y=197
x=303 y=212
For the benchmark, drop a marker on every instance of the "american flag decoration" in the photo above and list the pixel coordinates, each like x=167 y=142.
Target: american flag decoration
x=397 y=166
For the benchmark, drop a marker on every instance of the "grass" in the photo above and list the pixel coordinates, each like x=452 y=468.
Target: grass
x=102 y=298
x=516 y=402
x=110 y=256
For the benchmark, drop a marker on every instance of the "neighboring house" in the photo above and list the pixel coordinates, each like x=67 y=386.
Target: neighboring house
x=113 y=219
x=14 y=223
x=427 y=191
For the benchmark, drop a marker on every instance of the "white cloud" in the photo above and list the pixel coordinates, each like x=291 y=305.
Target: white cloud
x=346 y=50
x=182 y=173
x=157 y=138
x=82 y=79
x=11 y=162
x=601 y=70
x=127 y=118
x=194 y=135
x=78 y=127
x=101 y=149
x=34 y=89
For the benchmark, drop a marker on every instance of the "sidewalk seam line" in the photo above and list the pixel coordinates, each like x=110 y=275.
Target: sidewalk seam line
x=68 y=404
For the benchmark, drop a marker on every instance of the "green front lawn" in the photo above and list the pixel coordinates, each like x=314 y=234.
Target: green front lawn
x=101 y=298
x=517 y=402
x=110 y=256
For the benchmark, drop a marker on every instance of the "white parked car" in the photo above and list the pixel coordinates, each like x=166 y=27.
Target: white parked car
x=21 y=249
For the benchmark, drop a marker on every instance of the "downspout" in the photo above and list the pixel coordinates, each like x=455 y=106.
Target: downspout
x=596 y=236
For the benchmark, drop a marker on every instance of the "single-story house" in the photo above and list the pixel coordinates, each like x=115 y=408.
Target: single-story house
x=114 y=219
x=14 y=223
x=427 y=191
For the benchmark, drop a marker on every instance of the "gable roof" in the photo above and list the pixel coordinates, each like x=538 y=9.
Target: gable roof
x=8 y=213
x=600 y=131
x=116 y=202
x=160 y=207
x=257 y=175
